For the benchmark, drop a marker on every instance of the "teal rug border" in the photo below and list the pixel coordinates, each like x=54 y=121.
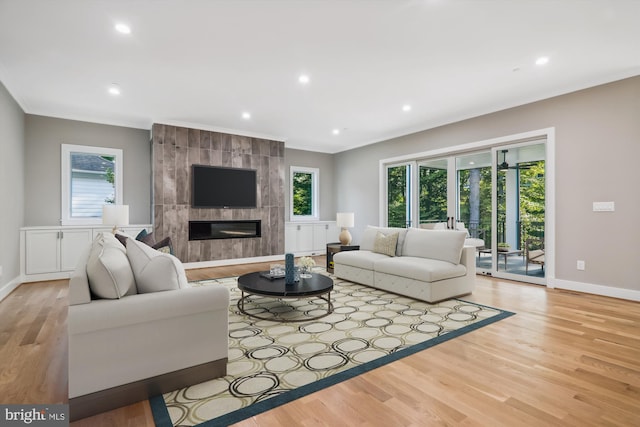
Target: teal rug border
x=161 y=414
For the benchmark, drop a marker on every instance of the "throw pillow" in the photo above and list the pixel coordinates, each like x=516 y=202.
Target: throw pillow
x=108 y=269
x=155 y=271
x=370 y=233
x=146 y=238
x=386 y=244
x=164 y=246
x=142 y=234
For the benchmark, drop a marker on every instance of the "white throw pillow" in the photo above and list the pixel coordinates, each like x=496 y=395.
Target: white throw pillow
x=460 y=227
x=155 y=271
x=108 y=269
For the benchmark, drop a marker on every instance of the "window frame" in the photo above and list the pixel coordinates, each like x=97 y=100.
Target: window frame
x=65 y=175
x=315 y=186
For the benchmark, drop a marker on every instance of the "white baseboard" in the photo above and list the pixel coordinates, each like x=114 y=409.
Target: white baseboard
x=9 y=287
x=41 y=277
x=589 y=288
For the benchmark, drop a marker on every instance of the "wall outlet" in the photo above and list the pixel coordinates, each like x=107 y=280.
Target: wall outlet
x=580 y=265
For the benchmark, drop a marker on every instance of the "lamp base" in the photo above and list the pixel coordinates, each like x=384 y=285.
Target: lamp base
x=345 y=237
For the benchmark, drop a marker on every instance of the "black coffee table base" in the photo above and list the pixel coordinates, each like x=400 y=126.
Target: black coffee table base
x=326 y=298
x=314 y=286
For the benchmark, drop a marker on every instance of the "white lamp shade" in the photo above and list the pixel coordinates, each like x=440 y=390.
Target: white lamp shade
x=115 y=215
x=345 y=219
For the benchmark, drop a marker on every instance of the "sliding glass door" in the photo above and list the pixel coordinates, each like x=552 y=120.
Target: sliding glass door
x=497 y=195
x=520 y=205
x=473 y=204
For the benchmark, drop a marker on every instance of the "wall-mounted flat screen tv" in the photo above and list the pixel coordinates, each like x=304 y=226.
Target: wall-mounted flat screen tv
x=220 y=187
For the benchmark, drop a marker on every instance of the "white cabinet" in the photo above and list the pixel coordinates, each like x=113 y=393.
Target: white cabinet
x=50 y=251
x=309 y=237
x=298 y=237
x=325 y=233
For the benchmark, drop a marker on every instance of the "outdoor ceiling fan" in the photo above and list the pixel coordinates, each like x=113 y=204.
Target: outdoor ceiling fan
x=504 y=165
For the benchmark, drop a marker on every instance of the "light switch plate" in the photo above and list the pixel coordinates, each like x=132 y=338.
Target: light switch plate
x=604 y=206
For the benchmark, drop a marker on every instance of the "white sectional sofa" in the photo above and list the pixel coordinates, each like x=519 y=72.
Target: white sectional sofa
x=136 y=329
x=428 y=265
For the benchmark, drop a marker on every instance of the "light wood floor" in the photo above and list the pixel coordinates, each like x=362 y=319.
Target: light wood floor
x=565 y=359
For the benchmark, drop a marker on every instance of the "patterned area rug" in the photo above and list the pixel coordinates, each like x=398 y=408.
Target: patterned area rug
x=272 y=363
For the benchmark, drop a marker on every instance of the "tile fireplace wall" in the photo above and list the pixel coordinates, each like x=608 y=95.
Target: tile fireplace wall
x=174 y=150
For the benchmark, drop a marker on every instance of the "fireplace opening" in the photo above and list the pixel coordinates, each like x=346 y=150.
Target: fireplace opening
x=219 y=229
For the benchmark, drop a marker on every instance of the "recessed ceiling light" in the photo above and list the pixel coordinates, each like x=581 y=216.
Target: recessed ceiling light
x=123 y=28
x=246 y=115
x=542 y=60
x=336 y=131
x=304 y=79
x=406 y=107
x=114 y=89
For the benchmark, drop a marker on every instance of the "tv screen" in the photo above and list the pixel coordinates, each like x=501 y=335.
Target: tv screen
x=219 y=187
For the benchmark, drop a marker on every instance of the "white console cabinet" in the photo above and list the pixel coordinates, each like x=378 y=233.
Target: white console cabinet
x=49 y=253
x=307 y=238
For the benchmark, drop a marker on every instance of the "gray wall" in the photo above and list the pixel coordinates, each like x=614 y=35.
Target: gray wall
x=310 y=159
x=597 y=152
x=45 y=135
x=11 y=185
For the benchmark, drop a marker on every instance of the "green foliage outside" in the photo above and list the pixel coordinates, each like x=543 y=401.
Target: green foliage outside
x=397 y=196
x=111 y=179
x=476 y=214
x=433 y=194
x=532 y=195
x=474 y=203
x=302 y=193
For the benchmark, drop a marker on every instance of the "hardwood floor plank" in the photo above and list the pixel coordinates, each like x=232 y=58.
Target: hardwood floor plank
x=565 y=358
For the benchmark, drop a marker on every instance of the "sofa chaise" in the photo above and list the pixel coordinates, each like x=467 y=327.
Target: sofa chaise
x=136 y=328
x=428 y=265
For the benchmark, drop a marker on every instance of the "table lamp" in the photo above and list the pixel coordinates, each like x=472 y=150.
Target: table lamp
x=116 y=215
x=345 y=220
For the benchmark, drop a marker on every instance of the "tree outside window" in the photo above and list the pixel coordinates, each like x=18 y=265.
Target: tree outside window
x=304 y=193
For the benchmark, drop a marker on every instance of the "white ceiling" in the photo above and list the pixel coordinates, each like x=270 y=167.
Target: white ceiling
x=204 y=62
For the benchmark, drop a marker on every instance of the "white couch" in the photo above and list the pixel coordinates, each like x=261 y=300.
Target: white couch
x=126 y=346
x=428 y=265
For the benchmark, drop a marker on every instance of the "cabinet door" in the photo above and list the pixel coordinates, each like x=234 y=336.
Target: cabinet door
x=290 y=238
x=320 y=237
x=72 y=244
x=42 y=249
x=304 y=238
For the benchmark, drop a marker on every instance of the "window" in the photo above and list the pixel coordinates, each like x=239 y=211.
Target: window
x=304 y=193
x=91 y=177
x=399 y=196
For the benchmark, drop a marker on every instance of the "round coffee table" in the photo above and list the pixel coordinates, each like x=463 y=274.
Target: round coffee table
x=317 y=285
